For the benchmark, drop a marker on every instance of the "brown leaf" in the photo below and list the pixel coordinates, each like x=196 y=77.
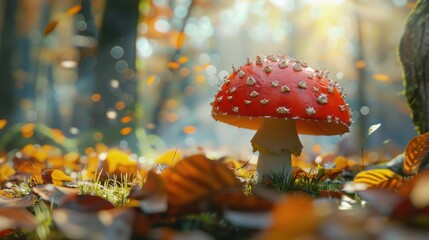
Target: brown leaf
x=73 y=10
x=85 y=203
x=416 y=150
x=50 y=27
x=196 y=177
x=17 y=217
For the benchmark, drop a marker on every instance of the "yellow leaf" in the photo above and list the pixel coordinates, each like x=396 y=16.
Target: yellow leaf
x=58 y=177
x=170 y=157
x=379 y=178
x=416 y=150
x=73 y=10
x=6 y=171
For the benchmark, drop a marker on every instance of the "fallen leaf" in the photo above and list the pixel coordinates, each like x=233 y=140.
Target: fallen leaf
x=6 y=171
x=196 y=177
x=73 y=10
x=293 y=217
x=25 y=201
x=170 y=157
x=50 y=27
x=379 y=178
x=180 y=40
x=417 y=149
x=52 y=193
x=14 y=217
x=85 y=203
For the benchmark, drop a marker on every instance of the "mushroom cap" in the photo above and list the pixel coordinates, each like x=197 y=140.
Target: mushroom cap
x=281 y=87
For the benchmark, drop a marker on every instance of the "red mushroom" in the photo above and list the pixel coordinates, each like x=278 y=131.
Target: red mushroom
x=281 y=97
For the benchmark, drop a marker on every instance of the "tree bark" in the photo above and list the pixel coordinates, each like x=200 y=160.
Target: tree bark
x=7 y=101
x=414 y=56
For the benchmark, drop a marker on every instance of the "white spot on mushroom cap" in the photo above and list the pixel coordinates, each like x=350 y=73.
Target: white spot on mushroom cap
x=264 y=101
x=310 y=110
x=241 y=74
x=250 y=81
x=247 y=102
x=275 y=83
x=229 y=98
x=283 y=64
x=234 y=69
x=259 y=60
x=283 y=110
x=249 y=61
x=322 y=98
x=219 y=99
x=284 y=88
x=232 y=89
x=302 y=84
x=235 y=109
x=267 y=69
x=297 y=66
x=254 y=94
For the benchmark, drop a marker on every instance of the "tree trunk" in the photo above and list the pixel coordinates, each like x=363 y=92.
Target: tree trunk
x=7 y=101
x=414 y=56
x=86 y=69
x=115 y=71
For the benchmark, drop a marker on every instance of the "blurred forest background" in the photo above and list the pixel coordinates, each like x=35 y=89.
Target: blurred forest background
x=139 y=74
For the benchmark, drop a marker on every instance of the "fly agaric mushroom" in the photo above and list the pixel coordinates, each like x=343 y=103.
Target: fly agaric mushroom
x=281 y=97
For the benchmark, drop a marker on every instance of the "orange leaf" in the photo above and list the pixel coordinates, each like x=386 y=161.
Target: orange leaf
x=293 y=216
x=196 y=177
x=73 y=10
x=180 y=40
x=416 y=150
x=379 y=178
x=50 y=27
x=3 y=123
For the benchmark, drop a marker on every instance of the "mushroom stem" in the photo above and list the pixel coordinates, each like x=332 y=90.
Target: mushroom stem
x=275 y=140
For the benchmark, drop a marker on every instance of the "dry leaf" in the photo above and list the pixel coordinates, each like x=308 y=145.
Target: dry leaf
x=73 y=10
x=13 y=217
x=416 y=150
x=50 y=27
x=52 y=193
x=25 y=201
x=196 y=177
x=85 y=203
x=379 y=178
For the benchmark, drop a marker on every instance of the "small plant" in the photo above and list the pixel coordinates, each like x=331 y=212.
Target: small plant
x=115 y=190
